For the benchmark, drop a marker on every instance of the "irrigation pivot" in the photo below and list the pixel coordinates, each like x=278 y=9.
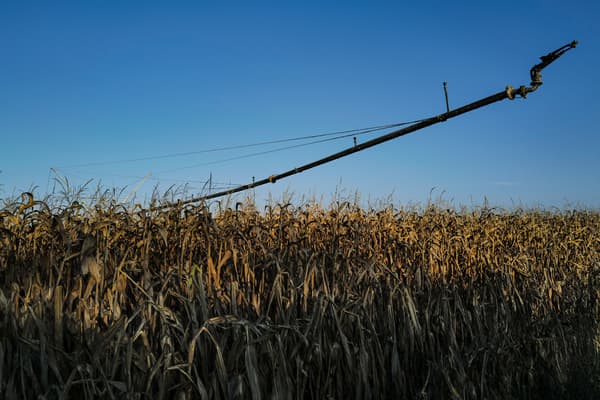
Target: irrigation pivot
x=508 y=93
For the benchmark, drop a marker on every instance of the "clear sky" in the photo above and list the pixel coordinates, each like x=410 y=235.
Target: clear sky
x=102 y=81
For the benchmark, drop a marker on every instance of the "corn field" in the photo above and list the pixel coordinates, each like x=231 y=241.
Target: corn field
x=298 y=302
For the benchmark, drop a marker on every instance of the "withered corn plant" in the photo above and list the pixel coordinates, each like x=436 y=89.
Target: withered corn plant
x=297 y=302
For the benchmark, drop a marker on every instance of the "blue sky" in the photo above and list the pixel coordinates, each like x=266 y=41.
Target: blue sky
x=87 y=82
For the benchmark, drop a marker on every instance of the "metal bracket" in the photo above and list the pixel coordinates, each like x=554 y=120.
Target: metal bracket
x=522 y=91
x=536 y=70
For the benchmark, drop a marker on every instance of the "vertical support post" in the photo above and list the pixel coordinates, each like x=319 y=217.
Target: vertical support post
x=446 y=94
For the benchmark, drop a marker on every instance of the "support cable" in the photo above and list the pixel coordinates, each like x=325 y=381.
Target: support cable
x=337 y=134
x=276 y=150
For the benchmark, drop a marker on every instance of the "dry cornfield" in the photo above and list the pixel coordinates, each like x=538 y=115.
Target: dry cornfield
x=298 y=302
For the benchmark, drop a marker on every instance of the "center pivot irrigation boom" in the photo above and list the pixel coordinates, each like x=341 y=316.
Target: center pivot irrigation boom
x=508 y=93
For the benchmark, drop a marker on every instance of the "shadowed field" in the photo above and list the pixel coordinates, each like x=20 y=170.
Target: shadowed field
x=298 y=303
